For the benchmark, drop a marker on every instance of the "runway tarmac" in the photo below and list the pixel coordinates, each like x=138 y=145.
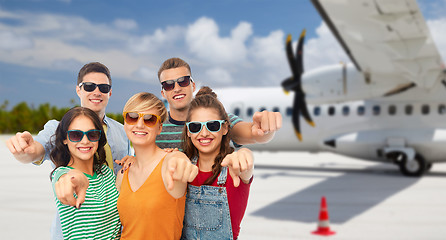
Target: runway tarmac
x=365 y=200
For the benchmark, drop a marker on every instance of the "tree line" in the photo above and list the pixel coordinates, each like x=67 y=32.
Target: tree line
x=23 y=117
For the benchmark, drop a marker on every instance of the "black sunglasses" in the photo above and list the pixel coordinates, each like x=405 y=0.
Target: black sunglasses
x=90 y=87
x=93 y=135
x=182 y=81
x=212 y=126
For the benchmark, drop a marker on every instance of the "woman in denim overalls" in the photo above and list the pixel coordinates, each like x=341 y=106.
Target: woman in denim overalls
x=209 y=213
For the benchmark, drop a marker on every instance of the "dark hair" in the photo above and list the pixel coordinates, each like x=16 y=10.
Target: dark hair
x=93 y=67
x=173 y=63
x=60 y=155
x=206 y=98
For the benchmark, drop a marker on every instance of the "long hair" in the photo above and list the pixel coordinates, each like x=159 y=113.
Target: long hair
x=60 y=155
x=206 y=98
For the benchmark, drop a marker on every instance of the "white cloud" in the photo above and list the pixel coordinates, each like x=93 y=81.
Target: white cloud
x=218 y=77
x=160 y=39
x=323 y=50
x=125 y=24
x=203 y=40
x=146 y=74
x=12 y=41
x=269 y=50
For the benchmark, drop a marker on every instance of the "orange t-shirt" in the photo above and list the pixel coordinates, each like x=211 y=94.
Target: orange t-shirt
x=150 y=212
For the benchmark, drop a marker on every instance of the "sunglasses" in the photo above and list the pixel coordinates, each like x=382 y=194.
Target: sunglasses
x=93 y=135
x=182 y=81
x=212 y=126
x=133 y=117
x=90 y=87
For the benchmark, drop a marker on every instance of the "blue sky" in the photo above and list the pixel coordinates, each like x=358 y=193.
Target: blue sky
x=43 y=43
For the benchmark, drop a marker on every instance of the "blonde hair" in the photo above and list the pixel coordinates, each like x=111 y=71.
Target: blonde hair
x=145 y=101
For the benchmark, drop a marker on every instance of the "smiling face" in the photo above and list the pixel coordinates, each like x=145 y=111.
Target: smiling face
x=180 y=97
x=95 y=100
x=206 y=142
x=83 y=150
x=140 y=134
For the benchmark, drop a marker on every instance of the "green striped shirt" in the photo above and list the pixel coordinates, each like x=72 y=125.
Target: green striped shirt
x=98 y=216
x=170 y=137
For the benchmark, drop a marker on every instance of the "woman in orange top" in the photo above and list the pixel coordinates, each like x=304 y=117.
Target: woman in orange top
x=152 y=192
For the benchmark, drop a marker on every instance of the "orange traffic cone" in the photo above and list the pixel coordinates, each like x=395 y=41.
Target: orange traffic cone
x=323 y=227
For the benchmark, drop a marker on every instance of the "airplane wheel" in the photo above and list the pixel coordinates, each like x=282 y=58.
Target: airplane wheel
x=428 y=166
x=414 y=168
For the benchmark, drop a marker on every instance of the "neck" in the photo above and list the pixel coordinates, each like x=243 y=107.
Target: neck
x=179 y=114
x=147 y=154
x=205 y=161
x=85 y=166
x=101 y=115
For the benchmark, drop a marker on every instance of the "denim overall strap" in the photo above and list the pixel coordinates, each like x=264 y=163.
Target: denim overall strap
x=207 y=211
x=223 y=176
x=194 y=160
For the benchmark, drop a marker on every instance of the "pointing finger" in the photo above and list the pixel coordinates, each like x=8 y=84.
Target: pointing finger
x=235 y=178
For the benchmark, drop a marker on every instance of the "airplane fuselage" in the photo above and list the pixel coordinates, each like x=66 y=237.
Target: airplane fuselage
x=364 y=129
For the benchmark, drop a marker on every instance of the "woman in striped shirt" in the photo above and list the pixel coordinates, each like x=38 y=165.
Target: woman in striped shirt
x=79 y=149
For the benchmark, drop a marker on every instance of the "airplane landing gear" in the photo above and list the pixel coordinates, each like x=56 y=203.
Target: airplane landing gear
x=413 y=168
x=410 y=163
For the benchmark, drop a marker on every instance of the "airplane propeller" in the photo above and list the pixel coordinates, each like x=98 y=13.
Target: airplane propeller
x=294 y=83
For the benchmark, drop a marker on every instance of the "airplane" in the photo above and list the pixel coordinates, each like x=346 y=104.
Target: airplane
x=387 y=105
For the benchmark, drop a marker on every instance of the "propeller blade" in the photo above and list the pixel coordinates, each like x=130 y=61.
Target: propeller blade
x=290 y=56
x=305 y=113
x=289 y=84
x=294 y=83
x=296 y=117
x=300 y=52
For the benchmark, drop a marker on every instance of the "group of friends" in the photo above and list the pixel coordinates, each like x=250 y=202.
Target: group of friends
x=182 y=178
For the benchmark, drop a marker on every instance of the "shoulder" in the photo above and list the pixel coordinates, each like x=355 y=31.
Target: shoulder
x=106 y=170
x=115 y=128
x=49 y=127
x=58 y=172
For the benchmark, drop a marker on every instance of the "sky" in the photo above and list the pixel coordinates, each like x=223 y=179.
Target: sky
x=44 y=43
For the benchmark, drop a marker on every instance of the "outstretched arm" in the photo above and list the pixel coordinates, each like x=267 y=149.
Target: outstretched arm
x=72 y=182
x=177 y=171
x=24 y=148
x=261 y=130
